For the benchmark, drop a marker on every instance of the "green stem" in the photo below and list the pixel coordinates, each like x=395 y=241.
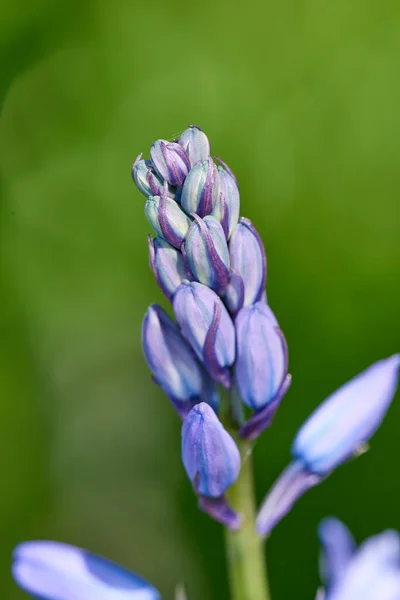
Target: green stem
x=244 y=548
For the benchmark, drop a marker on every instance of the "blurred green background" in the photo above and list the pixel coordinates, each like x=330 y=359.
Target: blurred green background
x=302 y=99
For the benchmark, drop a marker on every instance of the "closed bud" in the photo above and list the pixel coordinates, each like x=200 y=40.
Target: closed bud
x=248 y=260
x=200 y=191
x=167 y=219
x=210 y=455
x=146 y=179
x=261 y=356
x=336 y=430
x=229 y=201
x=195 y=143
x=173 y=363
x=170 y=161
x=207 y=253
x=207 y=326
x=167 y=265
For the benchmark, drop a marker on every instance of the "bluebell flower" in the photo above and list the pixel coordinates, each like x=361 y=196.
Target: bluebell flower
x=207 y=326
x=147 y=180
x=207 y=253
x=342 y=424
x=170 y=161
x=249 y=263
x=370 y=572
x=173 y=363
x=195 y=143
x=200 y=192
x=261 y=366
x=167 y=265
x=229 y=193
x=211 y=460
x=167 y=219
x=55 y=571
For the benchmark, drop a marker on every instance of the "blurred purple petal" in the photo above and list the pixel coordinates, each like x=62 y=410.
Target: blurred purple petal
x=54 y=571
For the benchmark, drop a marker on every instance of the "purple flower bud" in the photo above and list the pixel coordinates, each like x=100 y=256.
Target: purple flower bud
x=333 y=433
x=230 y=193
x=261 y=356
x=200 y=191
x=170 y=161
x=167 y=219
x=210 y=455
x=147 y=180
x=248 y=260
x=167 y=265
x=173 y=364
x=195 y=143
x=369 y=572
x=50 y=570
x=206 y=325
x=207 y=253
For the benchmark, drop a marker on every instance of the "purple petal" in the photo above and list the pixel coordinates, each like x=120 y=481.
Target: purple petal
x=338 y=550
x=290 y=486
x=348 y=418
x=261 y=356
x=259 y=421
x=219 y=510
x=54 y=571
x=210 y=455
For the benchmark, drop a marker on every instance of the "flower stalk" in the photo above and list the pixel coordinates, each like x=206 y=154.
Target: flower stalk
x=246 y=564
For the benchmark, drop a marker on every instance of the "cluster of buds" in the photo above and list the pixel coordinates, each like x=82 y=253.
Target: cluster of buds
x=211 y=265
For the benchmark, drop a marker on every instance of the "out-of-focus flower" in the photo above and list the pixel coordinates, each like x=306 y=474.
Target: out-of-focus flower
x=170 y=161
x=333 y=433
x=195 y=143
x=207 y=253
x=211 y=460
x=371 y=572
x=200 y=191
x=167 y=265
x=173 y=364
x=207 y=326
x=55 y=571
x=248 y=261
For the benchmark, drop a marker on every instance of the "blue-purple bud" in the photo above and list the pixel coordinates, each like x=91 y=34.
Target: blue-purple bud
x=173 y=364
x=146 y=179
x=170 y=161
x=335 y=431
x=348 y=418
x=195 y=143
x=200 y=191
x=50 y=570
x=167 y=265
x=261 y=356
x=248 y=260
x=207 y=253
x=207 y=326
x=229 y=201
x=210 y=455
x=167 y=219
